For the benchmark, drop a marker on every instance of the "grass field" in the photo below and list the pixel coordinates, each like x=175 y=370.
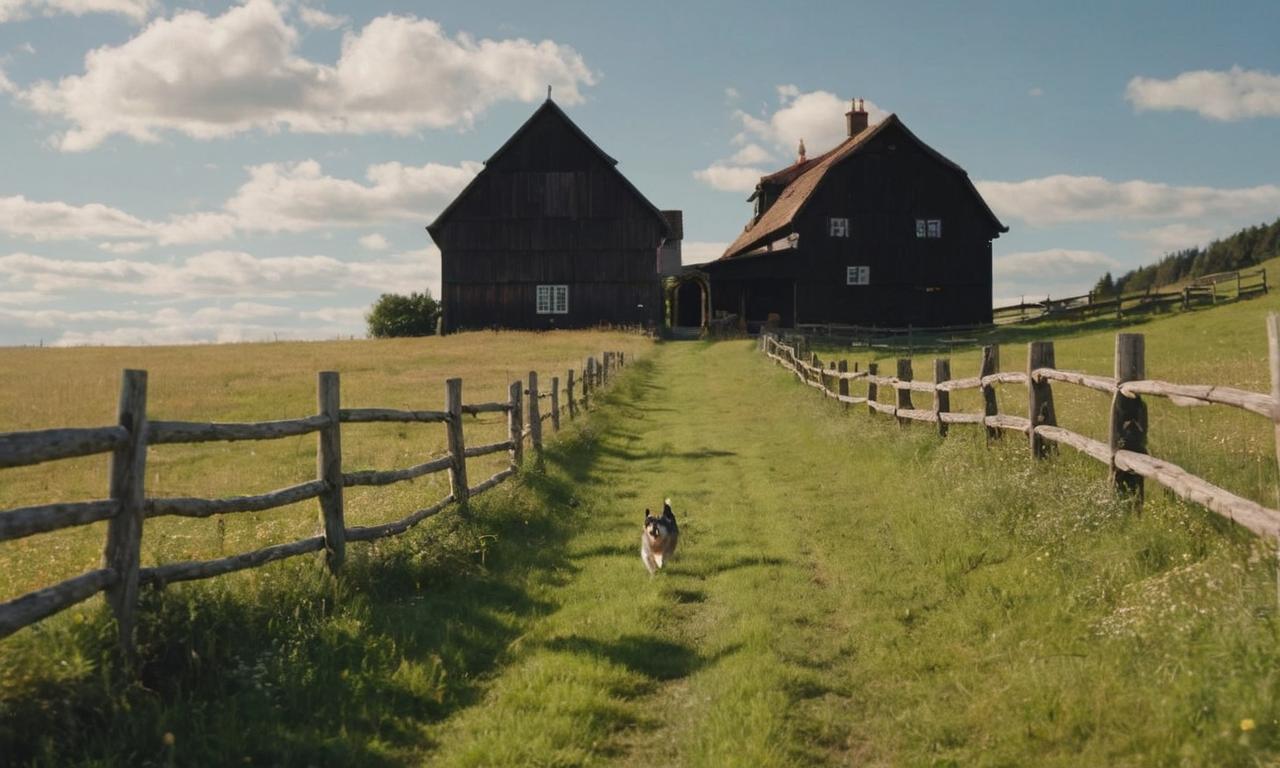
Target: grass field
x=848 y=592
x=257 y=382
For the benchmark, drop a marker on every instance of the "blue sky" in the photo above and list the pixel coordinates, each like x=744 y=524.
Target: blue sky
x=203 y=171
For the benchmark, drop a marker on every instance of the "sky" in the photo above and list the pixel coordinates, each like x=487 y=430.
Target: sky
x=187 y=172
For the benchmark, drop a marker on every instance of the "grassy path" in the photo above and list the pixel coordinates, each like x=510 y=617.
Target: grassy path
x=834 y=605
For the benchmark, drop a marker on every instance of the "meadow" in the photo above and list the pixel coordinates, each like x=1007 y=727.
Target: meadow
x=848 y=591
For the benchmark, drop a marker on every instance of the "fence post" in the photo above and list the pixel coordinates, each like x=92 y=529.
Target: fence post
x=1039 y=396
x=604 y=367
x=622 y=359
x=588 y=369
x=515 y=423
x=555 y=403
x=1128 y=414
x=872 y=390
x=990 y=367
x=1273 y=352
x=123 y=550
x=843 y=386
x=329 y=469
x=568 y=389
x=535 y=414
x=904 y=395
x=941 y=398
x=457 y=445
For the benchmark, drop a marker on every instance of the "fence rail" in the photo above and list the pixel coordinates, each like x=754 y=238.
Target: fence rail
x=128 y=506
x=1125 y=453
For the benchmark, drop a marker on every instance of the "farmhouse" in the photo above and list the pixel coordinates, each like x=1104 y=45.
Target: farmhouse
x=881 y=230
x=551 y=235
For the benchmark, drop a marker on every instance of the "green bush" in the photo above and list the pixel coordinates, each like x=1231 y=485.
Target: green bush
x=396 y=315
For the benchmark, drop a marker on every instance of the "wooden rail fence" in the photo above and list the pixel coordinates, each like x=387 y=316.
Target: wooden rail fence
x=1125 y=453
x=128 y=506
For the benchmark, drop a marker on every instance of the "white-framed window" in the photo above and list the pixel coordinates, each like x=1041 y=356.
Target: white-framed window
x=553 y=299
x=930 y=228
x=838 y=227
x=857 y=275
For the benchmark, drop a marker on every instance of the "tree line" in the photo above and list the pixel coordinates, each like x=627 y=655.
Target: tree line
x=1249 y=246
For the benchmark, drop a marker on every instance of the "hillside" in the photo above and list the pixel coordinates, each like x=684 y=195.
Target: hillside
x=1248 y=247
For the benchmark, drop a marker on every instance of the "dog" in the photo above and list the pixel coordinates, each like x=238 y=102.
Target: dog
x=659 y=538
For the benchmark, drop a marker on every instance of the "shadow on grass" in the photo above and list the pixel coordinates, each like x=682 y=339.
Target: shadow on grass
x=654 y=658
x=286 y=665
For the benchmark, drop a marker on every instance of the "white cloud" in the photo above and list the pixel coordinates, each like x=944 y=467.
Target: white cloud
x=1171 y=237
x=15 y=10
x=1036 y=91
x=1052 y=264
x=817 y=117
x=700 y=252
x=374 y=242
x=1061 y=198
x=278 y=197
x=209 y=77
x=318 y=19
x=6 y=85
x=730 y=178
x=347 y=316
x=731 y=94
x=219 y=274
x=293 y=197
x=1232 y=95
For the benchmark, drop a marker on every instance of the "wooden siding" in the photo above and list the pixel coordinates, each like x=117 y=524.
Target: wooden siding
x=549 y=208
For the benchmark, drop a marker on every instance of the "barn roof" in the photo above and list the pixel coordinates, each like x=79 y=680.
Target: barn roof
x=802 y=179
x=553 y=109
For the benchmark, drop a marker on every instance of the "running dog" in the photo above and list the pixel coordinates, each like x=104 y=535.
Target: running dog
x=659 y=539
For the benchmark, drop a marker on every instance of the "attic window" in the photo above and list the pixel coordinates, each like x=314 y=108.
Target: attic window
x=929 y=228
x=857 y=275
x=553 y=299
x=838 y=227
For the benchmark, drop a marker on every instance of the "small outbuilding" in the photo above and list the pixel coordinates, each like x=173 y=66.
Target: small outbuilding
x=551 y=235
x=881 y=230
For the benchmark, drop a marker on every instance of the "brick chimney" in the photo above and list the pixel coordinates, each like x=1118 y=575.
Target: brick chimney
x=856 y=118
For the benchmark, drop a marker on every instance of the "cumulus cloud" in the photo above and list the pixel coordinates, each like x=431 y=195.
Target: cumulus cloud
x=294 y=197
x=730 y=178
x=1171 y=237
x=817 y=117
x=1232 y=95
x=318 y=19
x=374 y=242
x=134 y=10
x=217 y=274
x=1054 y=263
x=278 y=197
x=215 y=76
x=1062 y=198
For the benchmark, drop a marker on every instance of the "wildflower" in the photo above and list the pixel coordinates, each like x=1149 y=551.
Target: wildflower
x=1247 y=724
x=168 y=738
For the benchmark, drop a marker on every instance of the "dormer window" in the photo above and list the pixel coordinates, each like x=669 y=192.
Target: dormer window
x=838 y=227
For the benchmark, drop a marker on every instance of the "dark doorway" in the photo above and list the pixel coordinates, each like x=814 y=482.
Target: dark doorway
x=689 y=304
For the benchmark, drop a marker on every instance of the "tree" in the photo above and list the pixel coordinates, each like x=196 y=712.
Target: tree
x=1106 y=286
x=396 y=315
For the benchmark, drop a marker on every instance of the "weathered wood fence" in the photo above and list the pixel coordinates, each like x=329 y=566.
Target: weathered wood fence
x=1125 y=453
x=128 y=506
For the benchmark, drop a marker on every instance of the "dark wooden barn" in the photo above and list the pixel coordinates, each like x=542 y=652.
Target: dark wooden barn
x=881 y=230
x=550 y=235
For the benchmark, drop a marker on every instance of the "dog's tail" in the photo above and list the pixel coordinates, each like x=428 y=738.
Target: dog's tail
x=666 y=509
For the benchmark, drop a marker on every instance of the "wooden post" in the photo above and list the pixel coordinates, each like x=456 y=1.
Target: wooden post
x=1128 y=414
x=573 y=406
x=1273 y=351
x=588 y=369
x=990 y=366
x=843 y=386
x=904 y=395
x=457 y=445
x=123 y=551
x=535 y=413
x=329 y=470
x=872 y=370
x=604 y=367
x=555 y=403
x=515 y=423
x=1039 y=396
x=941 y=399
x=622 y=359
